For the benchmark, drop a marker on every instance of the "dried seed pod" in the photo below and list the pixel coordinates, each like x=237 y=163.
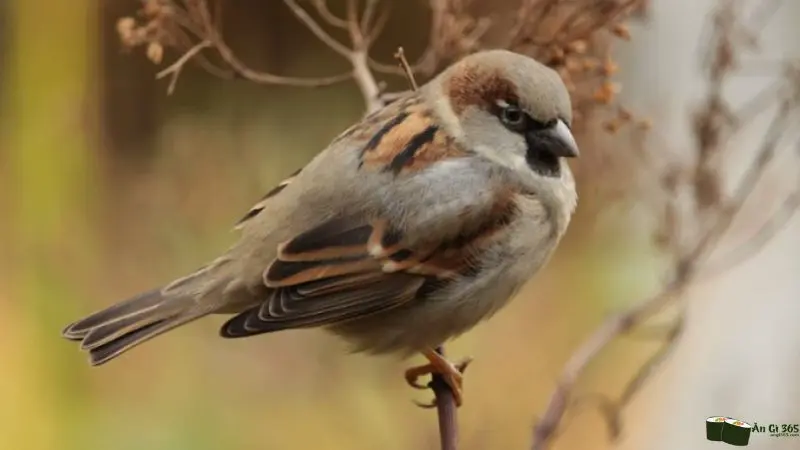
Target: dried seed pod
x=155 y=52
x=578 y=46
x=125 y=29
x=612 y=126
x=621 y=31
x=609 y=67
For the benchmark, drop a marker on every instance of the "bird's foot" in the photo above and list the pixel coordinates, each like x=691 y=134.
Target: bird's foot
x=452 y=374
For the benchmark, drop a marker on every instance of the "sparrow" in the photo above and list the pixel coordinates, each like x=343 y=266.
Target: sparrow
x=411 y=227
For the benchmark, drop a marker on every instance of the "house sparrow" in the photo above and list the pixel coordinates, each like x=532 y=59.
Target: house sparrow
x=411 y=227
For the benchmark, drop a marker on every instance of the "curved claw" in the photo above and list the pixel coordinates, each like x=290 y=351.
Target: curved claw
x=452 y=374
x=430 y=405
x=413 y=374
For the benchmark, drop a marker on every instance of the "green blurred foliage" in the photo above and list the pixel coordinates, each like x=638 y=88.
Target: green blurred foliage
x=109 y=187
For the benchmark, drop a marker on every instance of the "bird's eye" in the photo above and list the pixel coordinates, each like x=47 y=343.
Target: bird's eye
x=513 y=118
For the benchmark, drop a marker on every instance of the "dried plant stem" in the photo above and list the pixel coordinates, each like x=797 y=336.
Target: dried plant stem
x=685 y=272
x=400 y=55
x=174 y=70
x=764 y=235
x=547 y=426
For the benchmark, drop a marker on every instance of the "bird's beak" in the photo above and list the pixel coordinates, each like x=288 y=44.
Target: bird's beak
x=566 y=147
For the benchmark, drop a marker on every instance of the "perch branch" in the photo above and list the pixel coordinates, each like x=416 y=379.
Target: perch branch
x=446 y=410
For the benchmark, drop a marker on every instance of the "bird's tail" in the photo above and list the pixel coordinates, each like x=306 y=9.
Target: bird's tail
x=108 y=333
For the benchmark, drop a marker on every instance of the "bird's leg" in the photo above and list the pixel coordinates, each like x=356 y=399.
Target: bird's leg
x=452 y=374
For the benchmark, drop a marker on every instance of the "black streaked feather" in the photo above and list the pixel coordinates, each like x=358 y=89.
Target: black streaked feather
x=335 y=233
x=134 y=306
x=378 y=136
x=401 y=255
x=109 y=350
x=259 y=320
x=391 y=237
x=281 y=270
x=407 y=154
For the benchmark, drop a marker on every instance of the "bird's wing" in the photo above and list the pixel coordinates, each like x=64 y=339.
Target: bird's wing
x=348 y=268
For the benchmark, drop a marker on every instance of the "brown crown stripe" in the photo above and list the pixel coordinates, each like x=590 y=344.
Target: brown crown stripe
x=475 y=87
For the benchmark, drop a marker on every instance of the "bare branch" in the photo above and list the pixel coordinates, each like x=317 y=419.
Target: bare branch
x=760 y=239
x=327 y=15
x=366 y=82
x=746 y=186
x=354 y=26
x=654 y=362
x=375 y=30
x=227 y=55
x=314 y=27
x=368 y=15
x=547 y=426
x=359 y=58
x=174 y=70
x=612 y=409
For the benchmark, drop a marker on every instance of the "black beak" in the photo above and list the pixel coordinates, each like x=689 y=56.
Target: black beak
x=563 y=143
x=546 y=146
x=556 y=140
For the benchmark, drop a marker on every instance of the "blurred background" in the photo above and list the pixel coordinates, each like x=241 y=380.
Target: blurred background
x=108 y=186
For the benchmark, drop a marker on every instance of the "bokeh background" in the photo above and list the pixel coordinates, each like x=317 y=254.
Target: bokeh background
x=108 y=187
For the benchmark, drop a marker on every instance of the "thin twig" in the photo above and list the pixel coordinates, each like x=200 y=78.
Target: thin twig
x=174 y=70
x=765 y=11
x=745 y=188
x=327 y=15
x=317 y=30
x=547 y=426
x=427 y=61
x=401 y=58
x=368 y=15
x=636 y=383
x=378 y=26
x=760 y=239
x=227 y=55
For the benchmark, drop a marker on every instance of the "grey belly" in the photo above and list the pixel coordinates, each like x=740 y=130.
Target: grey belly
x=429 y=322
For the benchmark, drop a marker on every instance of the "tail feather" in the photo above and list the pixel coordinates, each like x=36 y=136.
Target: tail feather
x=102 y=334
x=108 y=333
x=134 y=306
x=113 y=348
